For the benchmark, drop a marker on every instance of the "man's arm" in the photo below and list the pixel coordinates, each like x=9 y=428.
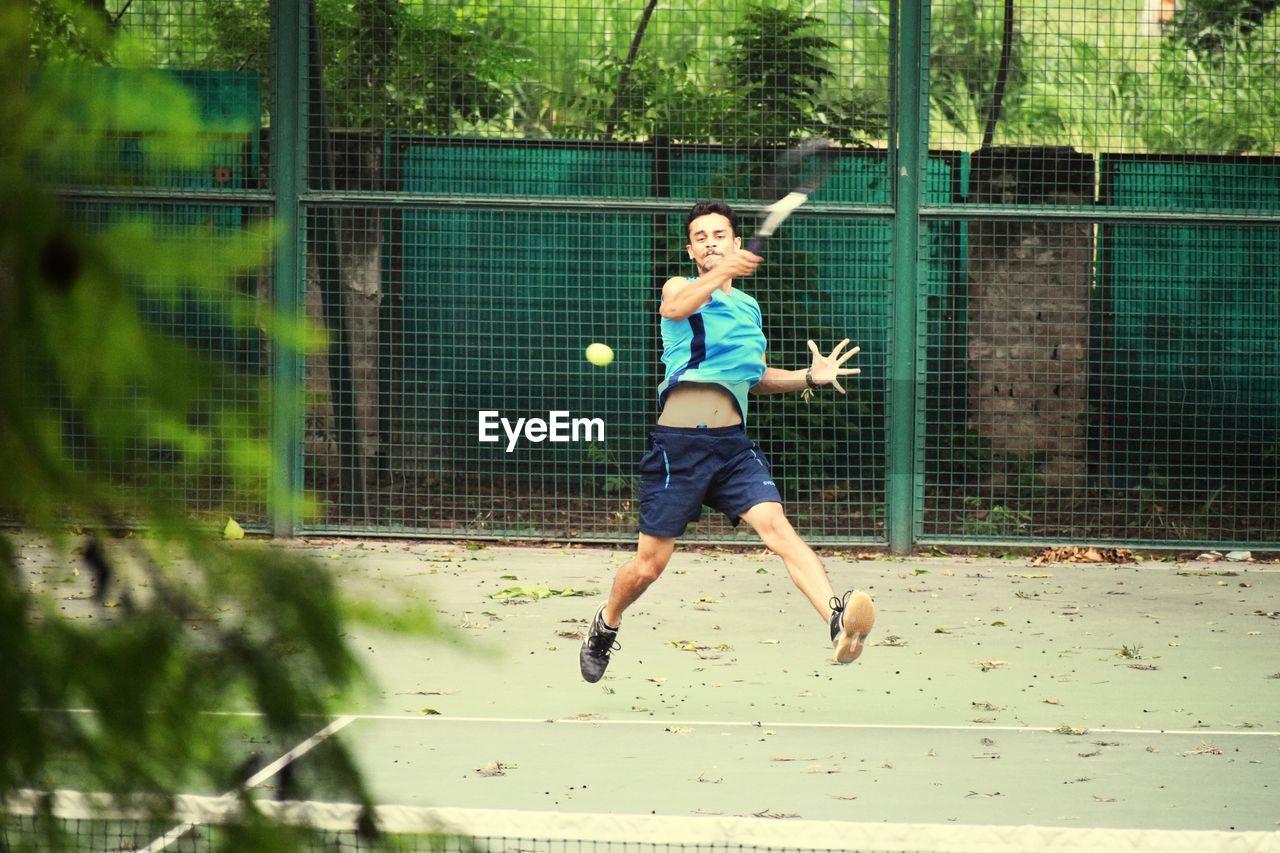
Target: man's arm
x=778 y=381
x=682 y=297
x=825 y=370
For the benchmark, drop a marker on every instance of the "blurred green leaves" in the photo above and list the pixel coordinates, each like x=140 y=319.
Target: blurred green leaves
x=115 y=652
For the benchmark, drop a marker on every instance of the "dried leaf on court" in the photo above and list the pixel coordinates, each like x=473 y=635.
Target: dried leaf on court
x=892 y=640
x=1065 y=729
x=680 y=730
x=792 y=758
x=1104 y=799
x=774 y=815
x=494 y=768
x=513 y=593
x=1051 y=700
x=985 y=796
x=703 y=651
x=1203 y=749
x=1076 y=554
x=988 y=665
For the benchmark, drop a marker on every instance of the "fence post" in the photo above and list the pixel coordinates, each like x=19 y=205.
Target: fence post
x=288 y=115
x=900 y=497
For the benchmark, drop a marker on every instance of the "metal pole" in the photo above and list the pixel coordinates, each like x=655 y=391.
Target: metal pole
x=900 y=499
x=288 y=159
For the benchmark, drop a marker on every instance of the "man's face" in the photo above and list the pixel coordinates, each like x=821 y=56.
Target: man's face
x=710 y=239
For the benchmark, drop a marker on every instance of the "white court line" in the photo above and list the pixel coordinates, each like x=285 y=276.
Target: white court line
x=442 y=718
x=761 y=724
x=173 y=835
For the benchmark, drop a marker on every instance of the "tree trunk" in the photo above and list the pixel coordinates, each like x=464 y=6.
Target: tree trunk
x=360 y=236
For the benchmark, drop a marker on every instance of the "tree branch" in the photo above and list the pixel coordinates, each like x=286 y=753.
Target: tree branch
x=616 y=106
x=1002 y=75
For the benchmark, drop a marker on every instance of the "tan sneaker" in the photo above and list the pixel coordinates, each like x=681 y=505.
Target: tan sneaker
x=852 y=619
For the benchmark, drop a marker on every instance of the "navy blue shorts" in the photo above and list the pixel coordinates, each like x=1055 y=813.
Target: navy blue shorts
x=687 y=467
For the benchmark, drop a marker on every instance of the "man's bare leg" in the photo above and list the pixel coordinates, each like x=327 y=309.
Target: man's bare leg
x=858 y=613
x=652 y=555
x=806 y=570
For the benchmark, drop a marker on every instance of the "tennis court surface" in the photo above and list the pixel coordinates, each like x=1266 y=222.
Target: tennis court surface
x=999 y=705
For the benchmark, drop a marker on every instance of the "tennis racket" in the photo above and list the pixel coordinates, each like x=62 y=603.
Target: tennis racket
x=798 y=173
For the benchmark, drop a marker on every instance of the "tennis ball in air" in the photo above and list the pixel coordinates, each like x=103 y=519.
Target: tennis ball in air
x=599 y=354
x=232 y=530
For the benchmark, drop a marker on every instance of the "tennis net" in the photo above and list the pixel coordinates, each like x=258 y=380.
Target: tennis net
x=194 y=824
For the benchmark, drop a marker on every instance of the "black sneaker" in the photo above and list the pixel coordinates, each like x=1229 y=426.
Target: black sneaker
x=852 y=619
x=601 y=641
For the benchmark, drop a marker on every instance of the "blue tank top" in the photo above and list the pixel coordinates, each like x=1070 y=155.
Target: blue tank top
x=721 y=343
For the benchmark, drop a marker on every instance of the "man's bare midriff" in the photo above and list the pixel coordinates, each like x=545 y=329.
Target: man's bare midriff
x=696 y=404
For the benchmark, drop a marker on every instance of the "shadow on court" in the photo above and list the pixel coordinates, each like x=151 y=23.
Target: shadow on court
x=991 y=693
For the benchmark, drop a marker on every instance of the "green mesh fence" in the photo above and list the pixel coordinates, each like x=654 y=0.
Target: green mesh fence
x=1087 y=269
x=1104 y=377
x=215 y=357
x=132 y=135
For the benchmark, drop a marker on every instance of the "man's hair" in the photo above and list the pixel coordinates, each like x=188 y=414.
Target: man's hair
x=702 y=208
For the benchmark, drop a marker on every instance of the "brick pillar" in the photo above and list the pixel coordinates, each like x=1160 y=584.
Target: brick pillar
x=1028 y=315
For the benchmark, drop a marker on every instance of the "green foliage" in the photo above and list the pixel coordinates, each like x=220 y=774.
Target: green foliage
x=964 y=60
x=778 y=75
x=234 y=34
x=387 y=65
x=109 y=421
x=618 y=479
x=661 y=98
x=1210 y=27
x=1227 y=103
x=993 y=520
x=1110 y=90
x=391 y=67
x=56 y=29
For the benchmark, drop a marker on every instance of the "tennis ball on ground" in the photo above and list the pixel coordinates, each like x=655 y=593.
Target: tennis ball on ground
x=232 y=530
x=599 y=354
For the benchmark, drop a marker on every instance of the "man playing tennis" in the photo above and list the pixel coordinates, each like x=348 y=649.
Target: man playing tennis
x=714 y=355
